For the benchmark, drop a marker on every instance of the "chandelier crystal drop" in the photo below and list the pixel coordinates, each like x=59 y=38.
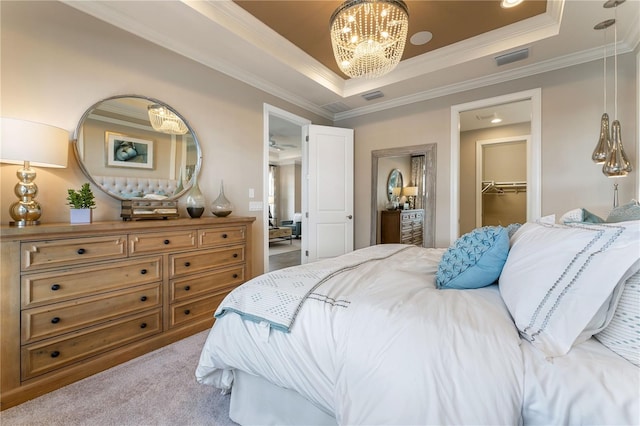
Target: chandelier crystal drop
x=368 y=36
x=166 y=121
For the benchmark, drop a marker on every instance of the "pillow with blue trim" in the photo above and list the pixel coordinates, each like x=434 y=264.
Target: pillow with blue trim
x=580 y=215
x=475 y=260
x=624 y=213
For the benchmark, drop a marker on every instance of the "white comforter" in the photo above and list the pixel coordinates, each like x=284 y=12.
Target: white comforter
x=380 y=345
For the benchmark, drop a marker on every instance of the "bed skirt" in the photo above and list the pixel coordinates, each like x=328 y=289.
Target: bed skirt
x=255 y=401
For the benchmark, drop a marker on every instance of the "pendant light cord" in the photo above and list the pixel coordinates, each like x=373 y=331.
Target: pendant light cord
x=604 y=89
x=615 y=62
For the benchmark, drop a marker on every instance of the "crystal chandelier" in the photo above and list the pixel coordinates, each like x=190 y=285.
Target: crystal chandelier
x=368 y=36
x=166 y=121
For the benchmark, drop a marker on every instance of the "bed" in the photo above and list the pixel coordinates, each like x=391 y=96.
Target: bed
x=531 y=331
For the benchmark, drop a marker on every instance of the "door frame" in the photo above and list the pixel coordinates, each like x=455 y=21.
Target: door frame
x=534 y=168
x=270 y=110
x=429 y=152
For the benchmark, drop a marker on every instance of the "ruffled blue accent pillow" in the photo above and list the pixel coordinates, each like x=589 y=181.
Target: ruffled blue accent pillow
x=475 y=260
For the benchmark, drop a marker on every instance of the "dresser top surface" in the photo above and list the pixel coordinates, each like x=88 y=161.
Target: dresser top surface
x=398 y=211
x=12 y=233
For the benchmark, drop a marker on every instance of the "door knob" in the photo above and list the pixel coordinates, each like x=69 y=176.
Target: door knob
x=350 y=217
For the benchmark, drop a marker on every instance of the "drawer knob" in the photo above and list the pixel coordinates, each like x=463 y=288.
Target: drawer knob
x=55 y=354
x=55 y=287
x=143 y=325
x=166 y=241
x=187 y=311
x=143 y=271
x=81 y=251
x=235 y=254
x=224 y=235
x=187 y=264
x=187 y=288
x=235 y=275
x=55 y=320
x=143 y=299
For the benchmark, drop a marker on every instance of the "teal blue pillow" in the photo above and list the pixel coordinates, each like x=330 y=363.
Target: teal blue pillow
x=589 y=217
x=475 y=260
x=630 y=211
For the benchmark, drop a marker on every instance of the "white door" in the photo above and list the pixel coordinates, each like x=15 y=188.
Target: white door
x=327 y=197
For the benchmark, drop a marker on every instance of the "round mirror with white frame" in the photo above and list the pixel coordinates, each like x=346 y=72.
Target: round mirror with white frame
x=135 y=147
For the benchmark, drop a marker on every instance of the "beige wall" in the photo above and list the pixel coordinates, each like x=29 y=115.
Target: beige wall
x=290 y=190
x=571 y=110
x=56 y=62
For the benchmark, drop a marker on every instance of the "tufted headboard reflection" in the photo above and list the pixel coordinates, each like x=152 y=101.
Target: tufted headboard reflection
x=129 y=187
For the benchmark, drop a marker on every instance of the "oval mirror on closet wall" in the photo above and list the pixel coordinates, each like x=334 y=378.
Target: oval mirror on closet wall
x=394 y=184
x=133 y=138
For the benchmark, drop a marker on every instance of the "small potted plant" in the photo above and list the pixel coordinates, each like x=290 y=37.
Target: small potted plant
x=82 y=204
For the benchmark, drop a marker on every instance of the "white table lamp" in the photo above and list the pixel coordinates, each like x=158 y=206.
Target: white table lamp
x=410 y=192
x=30 y=144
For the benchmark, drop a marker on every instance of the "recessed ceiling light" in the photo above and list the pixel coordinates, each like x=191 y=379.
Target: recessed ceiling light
x=420 y=38
x=510 y=3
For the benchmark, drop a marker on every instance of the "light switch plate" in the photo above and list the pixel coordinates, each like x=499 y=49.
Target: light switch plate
x=255 y=206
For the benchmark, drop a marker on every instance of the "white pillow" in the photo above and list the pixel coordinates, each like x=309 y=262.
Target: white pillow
x=558 y=281
x=622 y=335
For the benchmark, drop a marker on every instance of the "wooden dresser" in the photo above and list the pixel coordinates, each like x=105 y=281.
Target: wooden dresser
x=402 y=226
x=78 y=299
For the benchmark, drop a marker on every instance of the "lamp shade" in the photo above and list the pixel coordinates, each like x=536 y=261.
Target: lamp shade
x=39 y=144
x=410 y=191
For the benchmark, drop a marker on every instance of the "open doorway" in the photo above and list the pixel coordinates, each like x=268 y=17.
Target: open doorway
x=461 y=164
x=501 y=181
x=283 y=135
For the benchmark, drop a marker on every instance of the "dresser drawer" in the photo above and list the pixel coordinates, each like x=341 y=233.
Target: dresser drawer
x=222 y=236
x=52 y=320
x=54 y=253
x=51 y=354
x=161 y=242
x=41 y=288
x=197 y=285
x=411 y=215
x=189 y=263
x=186 y=312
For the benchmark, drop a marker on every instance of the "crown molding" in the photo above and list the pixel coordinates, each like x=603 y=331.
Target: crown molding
x=496 y=78
x=118 y=14
x=222 y=17
x=494 y=42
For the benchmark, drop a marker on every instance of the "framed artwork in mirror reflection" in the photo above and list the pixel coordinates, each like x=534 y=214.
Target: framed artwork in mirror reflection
x=126 y=151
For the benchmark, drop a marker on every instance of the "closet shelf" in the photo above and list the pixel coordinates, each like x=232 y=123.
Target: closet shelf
x=493 y=187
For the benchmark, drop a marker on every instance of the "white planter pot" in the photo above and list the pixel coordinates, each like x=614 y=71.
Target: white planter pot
x=80 y=215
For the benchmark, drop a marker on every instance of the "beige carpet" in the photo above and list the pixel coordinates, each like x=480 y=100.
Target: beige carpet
x=279 y=247
x=158 y=388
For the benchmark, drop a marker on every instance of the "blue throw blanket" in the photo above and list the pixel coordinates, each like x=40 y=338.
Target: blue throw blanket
x=276 y=297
